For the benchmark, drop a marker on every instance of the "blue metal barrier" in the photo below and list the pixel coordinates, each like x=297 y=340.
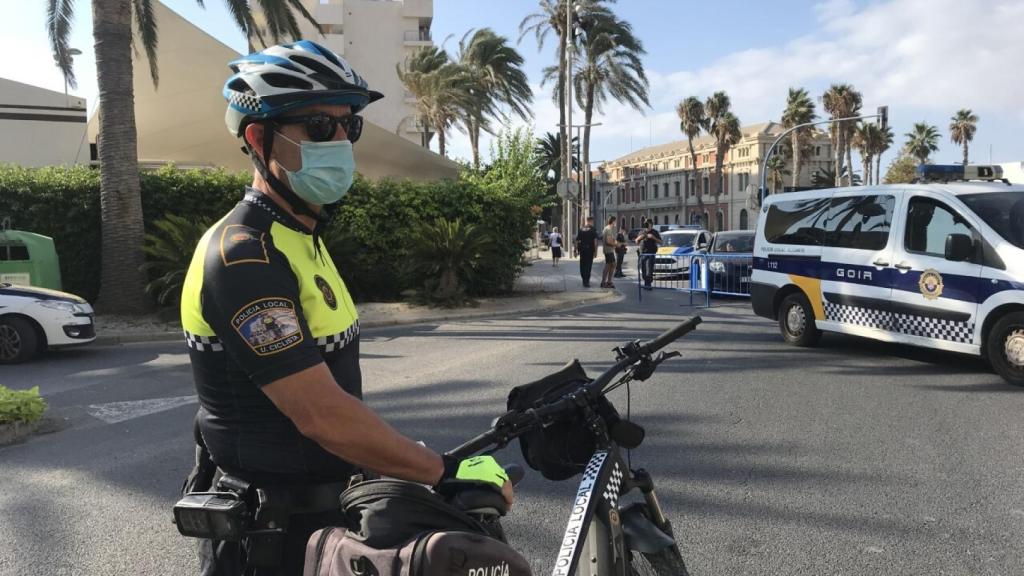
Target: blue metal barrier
x=706 y=274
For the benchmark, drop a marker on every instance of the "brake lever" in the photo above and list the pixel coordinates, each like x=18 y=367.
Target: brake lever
x=665 y=356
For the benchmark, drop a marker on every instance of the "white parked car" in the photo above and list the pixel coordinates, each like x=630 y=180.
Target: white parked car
x=34 y=319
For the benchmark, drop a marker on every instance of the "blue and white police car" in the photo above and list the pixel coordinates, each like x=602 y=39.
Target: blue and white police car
x=33 y=319
x=677 y=246
x=938 y=263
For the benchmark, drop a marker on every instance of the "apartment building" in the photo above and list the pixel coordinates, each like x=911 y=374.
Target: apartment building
x=661 y=182
x=374 y=36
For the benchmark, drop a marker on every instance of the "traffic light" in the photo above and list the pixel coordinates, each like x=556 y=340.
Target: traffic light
x=883 y=117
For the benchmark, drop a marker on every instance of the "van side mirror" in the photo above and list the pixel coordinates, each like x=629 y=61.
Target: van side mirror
x=959 y=248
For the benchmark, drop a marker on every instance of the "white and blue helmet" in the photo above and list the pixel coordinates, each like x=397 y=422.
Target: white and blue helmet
x=270 y=82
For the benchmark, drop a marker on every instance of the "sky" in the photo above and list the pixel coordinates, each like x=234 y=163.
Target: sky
x=925 y=59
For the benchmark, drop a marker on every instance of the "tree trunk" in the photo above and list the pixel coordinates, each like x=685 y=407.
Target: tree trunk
x=837 y=152
x=878 y=168
x=474 y=141
x=564 y=132
x=588 y=113
x=719 y=185
x=122 y=283
x=440 y=140
x=965 y=152
x=696 y=178
x=796 y=158
x=849 y=159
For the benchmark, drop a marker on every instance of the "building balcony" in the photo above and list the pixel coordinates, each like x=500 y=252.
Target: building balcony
x=417 y=38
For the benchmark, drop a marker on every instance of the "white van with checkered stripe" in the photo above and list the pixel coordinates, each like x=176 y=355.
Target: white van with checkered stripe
x=939 y=265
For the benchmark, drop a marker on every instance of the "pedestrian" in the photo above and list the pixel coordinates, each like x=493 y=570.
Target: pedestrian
x=271 y=330
x=609 y=243
x=648 y=240
x=556 y=246
x=620 y=252
x=586 y=247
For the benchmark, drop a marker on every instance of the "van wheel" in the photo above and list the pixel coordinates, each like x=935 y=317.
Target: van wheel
x=796 y=321
x=18 y=340
x=1006 y=348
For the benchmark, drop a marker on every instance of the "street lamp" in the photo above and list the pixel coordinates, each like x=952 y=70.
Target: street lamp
x=72 y=52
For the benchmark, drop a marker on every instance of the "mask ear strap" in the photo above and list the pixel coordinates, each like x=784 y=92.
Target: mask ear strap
x=298 y=205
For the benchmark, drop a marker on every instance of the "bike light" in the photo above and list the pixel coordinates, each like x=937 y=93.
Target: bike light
x=213 y=515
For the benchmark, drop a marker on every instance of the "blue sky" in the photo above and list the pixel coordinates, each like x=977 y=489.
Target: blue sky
x=924 y=58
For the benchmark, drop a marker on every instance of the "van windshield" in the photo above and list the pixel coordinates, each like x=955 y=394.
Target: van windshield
x=1003 y=211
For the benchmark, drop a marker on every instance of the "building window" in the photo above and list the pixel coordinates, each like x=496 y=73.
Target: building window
x=743 y=219
x=719 y=217
x=677 y=218
x=706 y=184
x=632 y=219
x=643 y=193
x=677 y=188
x=690 y=187
x=664 y=189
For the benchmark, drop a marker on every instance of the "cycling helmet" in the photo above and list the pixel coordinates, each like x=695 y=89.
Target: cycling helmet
x=271 y=82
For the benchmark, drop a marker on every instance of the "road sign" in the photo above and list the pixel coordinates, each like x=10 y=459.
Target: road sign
x=568 y=189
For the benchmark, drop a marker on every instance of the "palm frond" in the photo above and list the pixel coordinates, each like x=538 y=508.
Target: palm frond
x=145 y=25
x=59 y=16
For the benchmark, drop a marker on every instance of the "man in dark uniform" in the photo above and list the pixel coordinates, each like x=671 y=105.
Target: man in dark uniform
x=586 y=247
x=648 y=241
x=272 y=330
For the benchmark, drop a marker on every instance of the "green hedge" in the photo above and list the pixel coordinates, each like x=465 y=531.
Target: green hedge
x=20 y=405
x=369 y=239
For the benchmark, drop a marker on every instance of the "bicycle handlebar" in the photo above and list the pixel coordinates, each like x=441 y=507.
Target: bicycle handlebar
x=514 y=424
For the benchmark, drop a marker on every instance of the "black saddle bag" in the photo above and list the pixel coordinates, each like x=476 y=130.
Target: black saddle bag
x=403 y=529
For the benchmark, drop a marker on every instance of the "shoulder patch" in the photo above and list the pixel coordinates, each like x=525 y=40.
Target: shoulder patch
x=268 y=325
x=241 y=244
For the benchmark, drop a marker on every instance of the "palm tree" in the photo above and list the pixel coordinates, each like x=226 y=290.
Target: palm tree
x=610 y=66
x=691 y=122
x=866 y=140
x=777 y=168
x=495 y=80
x=922 y=141
x=551 y=18
x=439 y=86
x=841 y=101
x=962 y=127
x=799 y=110
x=724 y=126
x=884 y=142
x=549 y=156
x=826 y=178
x=121 y=279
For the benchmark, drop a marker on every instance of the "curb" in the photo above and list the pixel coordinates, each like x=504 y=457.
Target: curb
x=172 y=335
x=16 y=431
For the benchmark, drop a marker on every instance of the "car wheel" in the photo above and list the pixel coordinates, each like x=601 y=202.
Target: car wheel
x=796 y=321
x=18 y=340
x=1006 y=348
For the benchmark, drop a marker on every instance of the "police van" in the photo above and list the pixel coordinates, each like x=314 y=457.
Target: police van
x=939 y=264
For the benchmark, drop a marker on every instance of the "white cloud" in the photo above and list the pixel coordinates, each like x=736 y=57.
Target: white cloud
x=924 y=58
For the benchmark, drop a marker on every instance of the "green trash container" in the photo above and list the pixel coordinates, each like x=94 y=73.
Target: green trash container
x=29 y=259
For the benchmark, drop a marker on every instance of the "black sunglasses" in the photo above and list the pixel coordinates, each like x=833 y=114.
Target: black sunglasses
x=322 y=127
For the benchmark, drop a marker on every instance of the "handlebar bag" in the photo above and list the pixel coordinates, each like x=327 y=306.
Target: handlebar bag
x=562 y=449
x=338 y=552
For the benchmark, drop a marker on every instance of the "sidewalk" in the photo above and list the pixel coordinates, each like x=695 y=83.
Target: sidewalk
x=541 y=288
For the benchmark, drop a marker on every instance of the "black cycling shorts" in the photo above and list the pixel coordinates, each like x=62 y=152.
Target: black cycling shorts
x=609 y=257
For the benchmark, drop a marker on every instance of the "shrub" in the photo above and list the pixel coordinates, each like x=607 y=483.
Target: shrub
x=370 y=238
x=169 y=252
x=21 y=405
x=447 y=257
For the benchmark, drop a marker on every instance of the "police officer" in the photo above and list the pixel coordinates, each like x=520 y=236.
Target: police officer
x=272 y=331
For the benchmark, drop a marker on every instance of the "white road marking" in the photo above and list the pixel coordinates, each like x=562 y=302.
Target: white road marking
x=114 y=412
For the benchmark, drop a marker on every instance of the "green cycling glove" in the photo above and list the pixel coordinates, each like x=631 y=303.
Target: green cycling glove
x=478 y=469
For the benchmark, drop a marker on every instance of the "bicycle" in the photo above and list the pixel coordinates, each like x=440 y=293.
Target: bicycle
x=635 y=540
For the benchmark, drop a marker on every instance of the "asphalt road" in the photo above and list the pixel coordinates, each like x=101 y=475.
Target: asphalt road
x=853 y=458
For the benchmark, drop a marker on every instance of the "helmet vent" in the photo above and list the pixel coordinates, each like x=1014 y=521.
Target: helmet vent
x=240 y=85
x=287 y=81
